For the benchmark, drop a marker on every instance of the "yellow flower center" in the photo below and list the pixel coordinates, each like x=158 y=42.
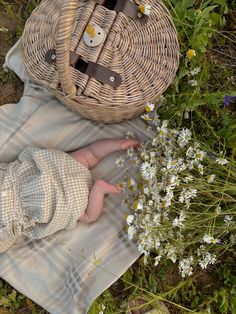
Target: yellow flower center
x=135 y=205
x=140 y=186
x=148 y=109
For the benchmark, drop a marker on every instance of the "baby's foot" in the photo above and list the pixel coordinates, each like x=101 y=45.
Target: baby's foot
x=106 y=188
x=96 y=200
x=93 y=153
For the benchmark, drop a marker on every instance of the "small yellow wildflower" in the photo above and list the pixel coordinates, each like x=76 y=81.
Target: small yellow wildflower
x=191 y=53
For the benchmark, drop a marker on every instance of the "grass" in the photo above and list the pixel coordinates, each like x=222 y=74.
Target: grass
x=208 y=27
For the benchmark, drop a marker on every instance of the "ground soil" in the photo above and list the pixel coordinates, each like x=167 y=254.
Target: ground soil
x=11 y=90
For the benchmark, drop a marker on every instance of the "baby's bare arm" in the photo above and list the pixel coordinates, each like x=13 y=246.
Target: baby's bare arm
x=96 y=200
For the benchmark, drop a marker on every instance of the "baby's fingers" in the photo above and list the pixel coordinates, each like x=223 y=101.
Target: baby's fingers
x=127 y=143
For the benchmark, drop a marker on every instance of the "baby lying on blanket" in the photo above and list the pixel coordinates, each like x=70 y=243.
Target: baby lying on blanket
x=45 y=190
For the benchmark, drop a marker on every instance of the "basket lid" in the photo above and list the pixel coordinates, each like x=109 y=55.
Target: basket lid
x=142 y=56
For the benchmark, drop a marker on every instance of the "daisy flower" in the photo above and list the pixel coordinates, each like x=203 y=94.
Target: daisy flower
x=131 y=232
x=129 y=134
x=119 y=162
x=146 y=117
x=131 y=182
x=195 y=71
x=149 y=107
x=185 y=266
x=209 y=239
x=208 y=258
x=222 y=161
x=211 y=178
x=228 y=220
x=193 y=83
x=148 y=171
x=130 y=219
x=199 y=155
x=184 y=137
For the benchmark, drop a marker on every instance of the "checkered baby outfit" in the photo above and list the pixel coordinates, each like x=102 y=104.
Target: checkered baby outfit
x=42 y=192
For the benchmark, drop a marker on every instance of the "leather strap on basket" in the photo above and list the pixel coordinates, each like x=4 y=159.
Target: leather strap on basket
x=128 y=8
x=103 y=74
x=95 y=70
x=92 y=69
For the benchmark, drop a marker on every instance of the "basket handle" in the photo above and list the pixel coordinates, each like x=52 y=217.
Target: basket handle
x=65 y=27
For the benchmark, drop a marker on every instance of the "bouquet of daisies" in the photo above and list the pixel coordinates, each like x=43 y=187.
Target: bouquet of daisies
x=183 y=200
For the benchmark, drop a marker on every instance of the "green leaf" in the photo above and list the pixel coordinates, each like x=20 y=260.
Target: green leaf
x=215 y=18
x=204 y=4
x=199 y=42
x=95 y=308
x=152 y=282
x=233 y=304
x=202 y=16
x=127 y=277
x=5 y=302
x=188 y=3
x=12 y=296
x=232 y=279
x=226 y=273
x=220 y=2
x=204 y=13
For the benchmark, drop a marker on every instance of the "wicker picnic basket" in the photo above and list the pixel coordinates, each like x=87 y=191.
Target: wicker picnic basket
x=104 y=59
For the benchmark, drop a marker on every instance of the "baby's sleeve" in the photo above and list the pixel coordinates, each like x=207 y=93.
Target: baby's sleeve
x=42 y=192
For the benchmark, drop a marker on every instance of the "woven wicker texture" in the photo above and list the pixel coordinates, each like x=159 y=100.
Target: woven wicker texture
x=145 y=55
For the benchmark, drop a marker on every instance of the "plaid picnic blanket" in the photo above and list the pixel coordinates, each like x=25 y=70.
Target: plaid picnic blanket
x=64 y=273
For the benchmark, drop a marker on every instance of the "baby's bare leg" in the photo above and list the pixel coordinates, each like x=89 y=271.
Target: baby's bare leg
x=93 y=153
x=96 y=199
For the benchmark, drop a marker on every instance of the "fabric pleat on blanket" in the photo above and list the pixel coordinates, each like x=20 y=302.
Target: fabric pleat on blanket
x=67 y=271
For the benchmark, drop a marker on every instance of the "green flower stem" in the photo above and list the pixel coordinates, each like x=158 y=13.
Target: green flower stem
x=209 y=126
x=178 y=20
